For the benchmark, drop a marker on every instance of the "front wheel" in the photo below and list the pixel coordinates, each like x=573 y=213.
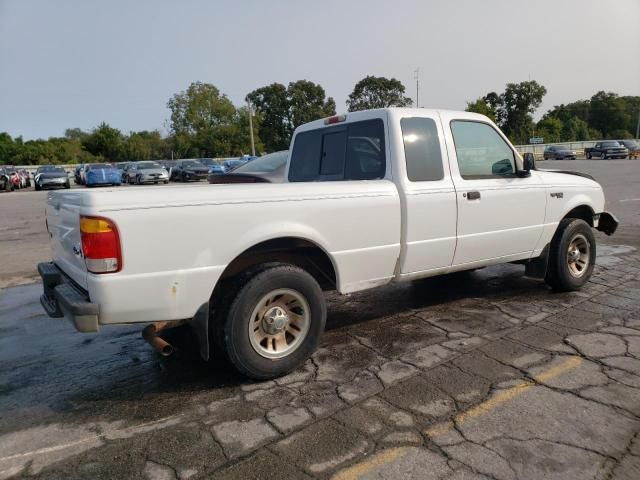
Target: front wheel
x=273 y=323
x=572 y=255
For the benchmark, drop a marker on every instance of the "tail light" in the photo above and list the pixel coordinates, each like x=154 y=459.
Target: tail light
x=100 y=245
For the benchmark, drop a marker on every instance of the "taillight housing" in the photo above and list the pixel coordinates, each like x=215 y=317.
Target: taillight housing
x=100 y=244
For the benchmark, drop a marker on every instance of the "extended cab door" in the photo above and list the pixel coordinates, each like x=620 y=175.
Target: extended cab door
x=500 y=214
x=427 y=191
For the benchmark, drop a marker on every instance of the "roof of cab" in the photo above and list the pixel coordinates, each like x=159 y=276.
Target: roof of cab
x=386 y=112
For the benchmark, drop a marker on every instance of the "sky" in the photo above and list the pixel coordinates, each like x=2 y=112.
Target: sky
x=76 y=63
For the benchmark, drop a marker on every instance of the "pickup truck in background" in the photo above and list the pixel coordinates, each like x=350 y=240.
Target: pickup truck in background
x=369 y=198
x=607 y=149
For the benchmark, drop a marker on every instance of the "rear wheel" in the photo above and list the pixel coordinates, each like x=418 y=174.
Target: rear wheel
x=66 y=185
x=572 y=255
x=273 y=323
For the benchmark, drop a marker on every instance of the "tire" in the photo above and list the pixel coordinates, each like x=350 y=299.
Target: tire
x=67 y=186
x=589 y=156
x=38 y=187
x=165 y=182
x=184 y=178
x=138 y=180
x=573 y=237
x=258 y=356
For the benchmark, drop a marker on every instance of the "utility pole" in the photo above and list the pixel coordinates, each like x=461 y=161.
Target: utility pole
x=253 y=147
x=416 y=73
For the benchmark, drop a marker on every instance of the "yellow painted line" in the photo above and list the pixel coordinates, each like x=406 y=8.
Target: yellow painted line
x=504 y=396
x=393 y=454
x=376 y=461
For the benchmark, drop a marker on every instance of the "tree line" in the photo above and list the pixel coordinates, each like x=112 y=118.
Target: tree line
x=205 y=123
x=605 y=115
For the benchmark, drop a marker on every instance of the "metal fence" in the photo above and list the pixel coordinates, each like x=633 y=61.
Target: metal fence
x=538 y=148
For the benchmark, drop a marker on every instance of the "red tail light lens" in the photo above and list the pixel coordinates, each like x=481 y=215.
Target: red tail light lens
x=100 y=245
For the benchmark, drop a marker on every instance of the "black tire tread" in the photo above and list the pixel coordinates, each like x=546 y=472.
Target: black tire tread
x=555 y=277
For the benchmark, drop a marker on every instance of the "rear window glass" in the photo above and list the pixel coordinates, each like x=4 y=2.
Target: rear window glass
x=355 y=151
x=421 y=149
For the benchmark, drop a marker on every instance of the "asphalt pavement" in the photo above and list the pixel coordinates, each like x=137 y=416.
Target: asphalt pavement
x=468 y=376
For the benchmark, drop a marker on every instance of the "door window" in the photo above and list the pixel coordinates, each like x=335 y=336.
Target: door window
x=481 y=151
x=421 y=149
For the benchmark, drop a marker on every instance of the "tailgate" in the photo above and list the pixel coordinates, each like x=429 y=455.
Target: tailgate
x=63 y=220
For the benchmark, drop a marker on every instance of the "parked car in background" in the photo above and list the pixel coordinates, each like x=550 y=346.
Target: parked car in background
x=122 y=167
x=26 y=177
x=633 y=146
x=147 y=172
x=266 y=169
x=217 y=169
x=188 y=170
x=233 y=163
x=5 y=181
x=167 y=165
x=558 y=152
x=96 y=174
x=214 y=166
x=14 y=178
x=77 y=174
x=607 y=149
x=51 y=176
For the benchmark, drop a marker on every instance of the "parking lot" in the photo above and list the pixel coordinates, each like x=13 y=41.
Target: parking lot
x=469 y=376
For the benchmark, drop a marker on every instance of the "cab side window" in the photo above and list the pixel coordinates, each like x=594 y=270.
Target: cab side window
x=421 y=149
x=355 y=151
x=481 y=151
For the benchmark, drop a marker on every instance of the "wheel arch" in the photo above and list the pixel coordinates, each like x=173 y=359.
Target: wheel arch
x=295 y=250
x=583 y=212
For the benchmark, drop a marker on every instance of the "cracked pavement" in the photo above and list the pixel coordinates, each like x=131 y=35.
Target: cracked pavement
x=483 y=375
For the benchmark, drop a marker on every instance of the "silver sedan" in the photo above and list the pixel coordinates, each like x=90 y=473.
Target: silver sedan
x=147 y=172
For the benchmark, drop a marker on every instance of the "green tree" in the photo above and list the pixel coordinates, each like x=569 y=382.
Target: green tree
x=307 y=102
x=282 y=109
x=377 y=92
x=487 y=105
x=550 y=129
x=518 y=104
x=608 y=113
x=242 y=137
x=205 y=117
x=7 y=148
x=106 y=142
x=575 y=129
x=272 y=103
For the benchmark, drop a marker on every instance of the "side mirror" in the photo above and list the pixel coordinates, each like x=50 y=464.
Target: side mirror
x=528 y=161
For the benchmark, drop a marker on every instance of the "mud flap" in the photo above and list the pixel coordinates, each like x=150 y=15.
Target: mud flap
x=607 y=223
x=200 y=327
x=537 y=268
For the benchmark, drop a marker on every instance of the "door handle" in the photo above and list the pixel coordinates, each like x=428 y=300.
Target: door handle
x=472 y=195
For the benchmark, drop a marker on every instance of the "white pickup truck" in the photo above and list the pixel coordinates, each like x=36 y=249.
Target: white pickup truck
x=369 y=198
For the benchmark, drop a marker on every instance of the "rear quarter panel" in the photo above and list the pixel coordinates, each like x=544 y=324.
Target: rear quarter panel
x=176 y=242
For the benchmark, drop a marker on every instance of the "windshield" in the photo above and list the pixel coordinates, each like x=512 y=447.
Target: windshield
x=631 y=144
x=148 y=165
x=50 y=170
x=264 y=164
x=192 y=163
x=208 y=161
x=610 y=144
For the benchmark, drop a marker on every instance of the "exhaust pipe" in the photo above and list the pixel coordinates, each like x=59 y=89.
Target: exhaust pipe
x=150 y=334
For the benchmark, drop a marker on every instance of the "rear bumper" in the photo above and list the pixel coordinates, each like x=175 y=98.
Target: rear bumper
x=62 y=298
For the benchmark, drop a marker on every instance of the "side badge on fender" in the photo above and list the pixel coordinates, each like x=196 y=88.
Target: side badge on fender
x=557 y=195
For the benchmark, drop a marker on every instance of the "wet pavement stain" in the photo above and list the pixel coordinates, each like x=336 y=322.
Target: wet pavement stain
x=394 y=362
